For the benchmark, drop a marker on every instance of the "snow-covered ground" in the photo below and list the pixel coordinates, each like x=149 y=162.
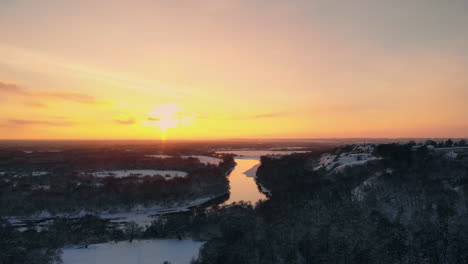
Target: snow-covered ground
x=44 y=187
x=39 y=173
x=25 y=174
x=337 y=162
x=137 y=252
x=158 y=156
x=201 y=158
x=206 y=159
x=142 y=216
x=256 y=154
x=140 y=173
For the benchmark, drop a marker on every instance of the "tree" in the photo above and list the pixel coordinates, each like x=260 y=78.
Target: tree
x=462 y=142
x=132 y=230
x=449 y=143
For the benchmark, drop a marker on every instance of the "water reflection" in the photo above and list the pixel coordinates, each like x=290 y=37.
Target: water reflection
x=244 y=188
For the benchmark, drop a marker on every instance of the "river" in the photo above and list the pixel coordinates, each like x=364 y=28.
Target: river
x=243 y=186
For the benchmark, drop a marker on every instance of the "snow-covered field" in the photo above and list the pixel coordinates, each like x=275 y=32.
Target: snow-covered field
x=137 y=252
x=140 y=173
x=336 y=163
x=158 y=156
x=256 y=154
x=201 y=158
x=206 y=159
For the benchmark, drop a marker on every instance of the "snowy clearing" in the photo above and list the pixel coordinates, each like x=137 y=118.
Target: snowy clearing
x=203 y=159
x=158 y=156
x=140 y=251
x=336 y=163
x=140 y=173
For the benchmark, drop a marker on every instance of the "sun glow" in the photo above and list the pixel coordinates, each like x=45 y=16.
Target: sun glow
x=167 y=116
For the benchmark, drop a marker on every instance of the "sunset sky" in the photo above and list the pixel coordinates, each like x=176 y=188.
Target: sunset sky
x=188 y=69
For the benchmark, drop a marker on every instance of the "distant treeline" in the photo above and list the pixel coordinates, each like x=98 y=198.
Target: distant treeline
x=66 y=191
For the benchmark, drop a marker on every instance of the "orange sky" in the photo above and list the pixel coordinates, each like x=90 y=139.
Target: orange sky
x=233 y=69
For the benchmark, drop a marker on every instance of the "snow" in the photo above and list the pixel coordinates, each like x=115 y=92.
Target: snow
x=39 y=173
x=336 y=163
x=263 y=189
x=256 y=154
x=359 y=192
x=158 y=156
x=142 y=216
x=26 y=174
x=140 y=251
x=450 y=155
x=44 y=187
x=203 y=159
x=140 y=173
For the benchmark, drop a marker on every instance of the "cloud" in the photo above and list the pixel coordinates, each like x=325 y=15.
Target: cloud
x=12 y=88
x=25 y=122
x=337 y=108
x=8 y=87
x=35 y=104
x=259 y=116
x=76 y=97
x=269 y=115
x=129 y=121
x=153 y=119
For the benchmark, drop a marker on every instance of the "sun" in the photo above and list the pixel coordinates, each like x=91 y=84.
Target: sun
x=167 y=116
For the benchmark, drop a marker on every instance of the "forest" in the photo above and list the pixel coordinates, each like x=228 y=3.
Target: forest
x=406 y=205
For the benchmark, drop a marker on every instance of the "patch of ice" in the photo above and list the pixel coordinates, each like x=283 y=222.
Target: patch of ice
x=140 y=251
x=252 y=172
